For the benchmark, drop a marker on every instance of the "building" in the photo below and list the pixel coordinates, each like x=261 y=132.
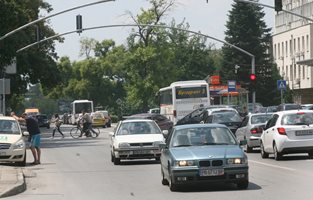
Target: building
x=293 y=48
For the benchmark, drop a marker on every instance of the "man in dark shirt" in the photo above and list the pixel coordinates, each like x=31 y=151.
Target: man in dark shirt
x=34 y=134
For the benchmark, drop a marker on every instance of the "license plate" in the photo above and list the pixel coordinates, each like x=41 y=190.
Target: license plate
x=211 y=172
x=142 y=152
x=304 y=132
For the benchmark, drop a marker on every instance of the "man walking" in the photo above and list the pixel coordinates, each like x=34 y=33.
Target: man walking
x=34 y=134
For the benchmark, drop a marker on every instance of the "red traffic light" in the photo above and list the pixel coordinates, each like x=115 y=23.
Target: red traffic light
x=252 y=77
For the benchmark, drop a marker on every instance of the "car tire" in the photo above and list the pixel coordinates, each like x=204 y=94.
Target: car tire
x=116 y=161
x=173 y=186
x=311 y=154
x=243 y=185
x=164 y=181
x=248 y=149
x=277 y=155
x=112 y=158
x=263 y=153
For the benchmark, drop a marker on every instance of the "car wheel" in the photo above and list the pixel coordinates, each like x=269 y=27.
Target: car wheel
x=243 y=185
x=116 y=161
x=173 y=186
x=112 y=158
x=248 y=149
x=277 y=155
x=263 y=153
x=311 y=154
x=164 y=181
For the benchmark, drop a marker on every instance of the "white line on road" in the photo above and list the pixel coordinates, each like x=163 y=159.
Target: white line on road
x=275 y=166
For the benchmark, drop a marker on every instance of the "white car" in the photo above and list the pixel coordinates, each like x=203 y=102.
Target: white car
x=135 y=139
x=12 y=144
x=288 y=132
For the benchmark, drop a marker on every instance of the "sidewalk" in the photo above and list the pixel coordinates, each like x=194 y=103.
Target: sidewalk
x=11 y=181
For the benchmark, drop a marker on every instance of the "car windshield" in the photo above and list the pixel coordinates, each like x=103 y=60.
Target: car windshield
x=299 y=118
x=259 y=119
x=229 y=116
x=133 y=128
x=202 y=136
x=9 y=127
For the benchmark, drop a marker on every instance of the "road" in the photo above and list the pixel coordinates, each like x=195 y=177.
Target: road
x=81 y=169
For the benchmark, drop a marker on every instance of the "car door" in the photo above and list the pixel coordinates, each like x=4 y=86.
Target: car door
x=269 y=133
x=241 y=131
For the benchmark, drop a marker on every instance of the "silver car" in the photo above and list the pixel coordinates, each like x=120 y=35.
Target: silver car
x=251 y=129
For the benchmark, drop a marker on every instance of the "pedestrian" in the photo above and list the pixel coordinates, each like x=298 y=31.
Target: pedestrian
x=34 y=134
x=57 y=122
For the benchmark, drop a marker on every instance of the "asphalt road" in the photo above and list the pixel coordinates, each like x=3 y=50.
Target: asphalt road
x=81 y=169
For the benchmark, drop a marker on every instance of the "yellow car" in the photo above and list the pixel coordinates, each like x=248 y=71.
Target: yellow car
x=98 y=119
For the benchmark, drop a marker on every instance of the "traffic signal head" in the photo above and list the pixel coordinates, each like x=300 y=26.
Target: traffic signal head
x=252 y=77
x=278 y=5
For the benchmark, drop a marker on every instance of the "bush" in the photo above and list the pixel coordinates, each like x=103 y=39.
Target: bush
x=114 y=118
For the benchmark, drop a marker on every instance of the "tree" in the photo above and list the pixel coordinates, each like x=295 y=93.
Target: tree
x=86 y=46
x=247 y=30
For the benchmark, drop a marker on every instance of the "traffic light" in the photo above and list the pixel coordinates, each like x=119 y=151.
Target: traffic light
x=79 y=24
x=252 y=77
x=278 y=5
x=252 y=85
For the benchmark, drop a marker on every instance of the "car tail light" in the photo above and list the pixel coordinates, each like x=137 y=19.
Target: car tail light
x=174 y=113
x=300 y=113
x=256 y=130
x=281 y=131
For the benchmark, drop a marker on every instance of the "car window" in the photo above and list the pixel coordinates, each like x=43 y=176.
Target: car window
x=134 y=128
x=259 y=119
x=220 y=117
x=202 y=136
x=297 y=119
x=9 y=127
x=245 y=121
x=292 y=107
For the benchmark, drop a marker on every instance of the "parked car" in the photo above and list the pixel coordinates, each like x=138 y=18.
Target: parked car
x=154 y=110
x=288 y=132
x=12 y=144
x=107 y=117
x=251 y=129
x=163 y=122
x=200 y=115
x=288 y=106
x=98 y=119
x=43 y=120
x=203 y=153
x=307 y=106
x=135 y=139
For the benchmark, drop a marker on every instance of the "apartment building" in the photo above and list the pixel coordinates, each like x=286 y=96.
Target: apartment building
x=293 y=48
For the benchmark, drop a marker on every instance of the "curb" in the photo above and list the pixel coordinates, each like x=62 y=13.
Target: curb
x=18 y=187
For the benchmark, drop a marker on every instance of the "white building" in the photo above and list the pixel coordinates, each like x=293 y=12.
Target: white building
x=293 y=48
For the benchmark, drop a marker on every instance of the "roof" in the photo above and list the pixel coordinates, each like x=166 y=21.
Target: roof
x=6 y=118
x=180 y=127
x=137 y=120
x=185 y=83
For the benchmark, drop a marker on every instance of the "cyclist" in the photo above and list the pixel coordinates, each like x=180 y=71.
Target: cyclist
x=87 y=124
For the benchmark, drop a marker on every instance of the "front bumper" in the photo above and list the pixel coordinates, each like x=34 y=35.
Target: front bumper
x=138 y=153
x=9 y=155
x=192 y=176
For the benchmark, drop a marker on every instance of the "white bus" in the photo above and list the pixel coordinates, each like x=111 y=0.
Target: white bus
x=78 y=106
x=182 y=97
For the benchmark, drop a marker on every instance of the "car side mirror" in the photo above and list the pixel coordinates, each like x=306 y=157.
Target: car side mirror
x=25 y=133
x=162 y=145
x=165 y=133
x=242 y=142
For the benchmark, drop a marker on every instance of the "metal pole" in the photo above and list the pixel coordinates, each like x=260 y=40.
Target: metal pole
x=3 y=92
x=49 y=16
x=281 y=96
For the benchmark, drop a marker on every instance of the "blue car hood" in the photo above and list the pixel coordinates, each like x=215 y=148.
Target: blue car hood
x=205 y=152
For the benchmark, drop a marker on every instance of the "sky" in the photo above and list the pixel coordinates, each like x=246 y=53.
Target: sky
x=208 y=18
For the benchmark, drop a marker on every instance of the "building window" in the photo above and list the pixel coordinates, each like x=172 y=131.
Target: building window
x=294 y=46
x=278 y=49
x=287 y=72
x=303 y=72
x=275 y=52
x=307 y=43
x=290 y=46
x=291 y=73
x=299 y=72
x=286 y=48
x=282 y=49
x=303 y=47
x=298 y=44
x=295 y=72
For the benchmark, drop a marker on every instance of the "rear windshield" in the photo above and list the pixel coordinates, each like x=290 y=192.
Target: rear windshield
x=259 y=119
x=229 y=116
x=299 y=118
x=292 y=107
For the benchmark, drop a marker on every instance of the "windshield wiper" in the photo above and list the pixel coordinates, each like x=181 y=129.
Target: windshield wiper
x=183 y=145
x=213 y=143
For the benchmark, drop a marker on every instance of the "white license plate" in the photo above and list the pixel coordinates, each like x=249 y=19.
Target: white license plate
x=142 y=152
x=211 y=172
x=304 y=132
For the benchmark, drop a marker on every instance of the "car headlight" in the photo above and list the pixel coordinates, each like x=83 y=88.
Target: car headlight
x=236 y=161
x=123 y=145
x=183 y=163
x=19 y=145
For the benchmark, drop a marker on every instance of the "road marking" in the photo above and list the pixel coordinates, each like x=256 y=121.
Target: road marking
x=270 y=165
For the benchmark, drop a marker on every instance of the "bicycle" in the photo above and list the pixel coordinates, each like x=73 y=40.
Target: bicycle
x=78 y=131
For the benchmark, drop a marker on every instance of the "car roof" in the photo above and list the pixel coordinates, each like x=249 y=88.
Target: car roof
x=6 y=118
x=137 y=120
x=199 y=126
x=293 y=111
x=222 y=109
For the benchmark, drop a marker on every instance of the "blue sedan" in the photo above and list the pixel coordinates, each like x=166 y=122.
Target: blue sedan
x=203 y=153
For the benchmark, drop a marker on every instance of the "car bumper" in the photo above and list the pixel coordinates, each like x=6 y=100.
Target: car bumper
x=295 y=146
x=253 y=141
x=15 y=155
x=191 y=176
x=138 y=153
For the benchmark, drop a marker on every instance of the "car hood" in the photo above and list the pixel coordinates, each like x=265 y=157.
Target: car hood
x=9 y=138
x=205 y=152
x=139 y=138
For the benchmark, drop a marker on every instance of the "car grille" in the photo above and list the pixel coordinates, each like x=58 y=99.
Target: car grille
x=141 y=144
x=208 y=163
x=5 y=146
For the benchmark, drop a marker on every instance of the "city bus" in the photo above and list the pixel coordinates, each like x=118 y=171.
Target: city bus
x=78 y=106
x=182 y=97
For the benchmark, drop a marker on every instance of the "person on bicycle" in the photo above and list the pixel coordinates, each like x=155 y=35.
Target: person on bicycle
x=87 y=124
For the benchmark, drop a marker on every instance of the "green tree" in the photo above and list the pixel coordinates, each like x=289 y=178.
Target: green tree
x=247 y=30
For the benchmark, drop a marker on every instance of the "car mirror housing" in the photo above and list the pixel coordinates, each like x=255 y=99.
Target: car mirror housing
x=165 y=133
x=242 y=142
x=25 y=133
